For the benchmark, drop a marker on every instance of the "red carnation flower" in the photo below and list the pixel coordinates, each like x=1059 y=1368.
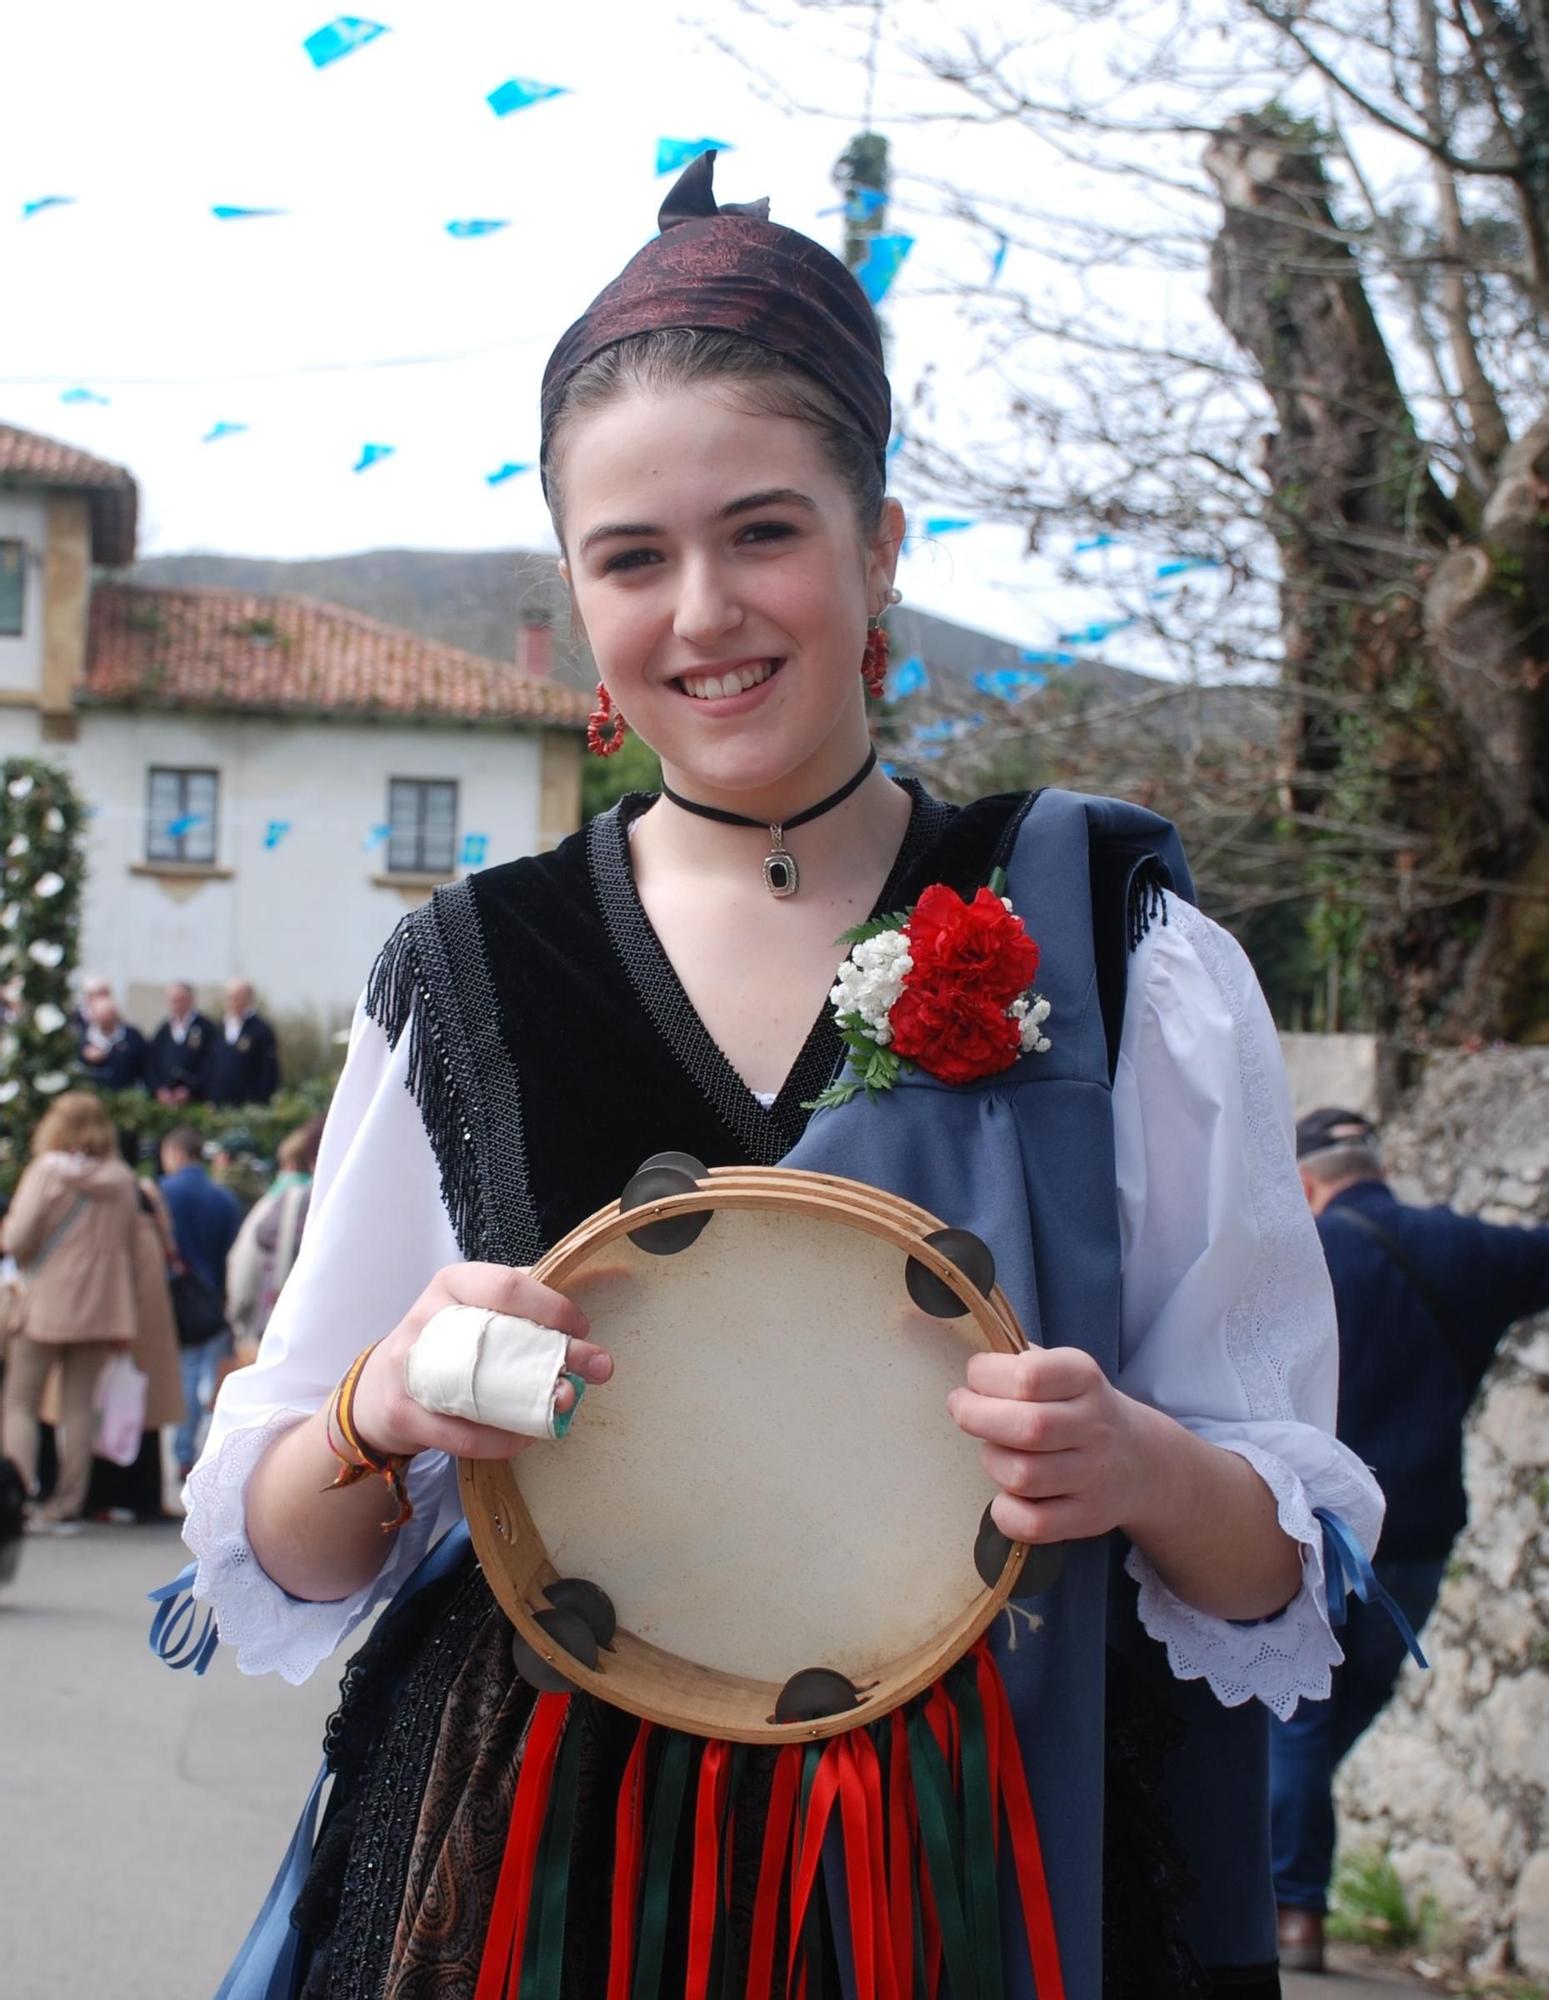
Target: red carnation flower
x=950 y=1030
x=981 y=946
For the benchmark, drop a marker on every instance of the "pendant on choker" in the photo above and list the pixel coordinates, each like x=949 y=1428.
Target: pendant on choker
x=781 y=875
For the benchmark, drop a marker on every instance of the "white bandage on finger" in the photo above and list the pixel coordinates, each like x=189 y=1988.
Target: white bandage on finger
x=469 y=1362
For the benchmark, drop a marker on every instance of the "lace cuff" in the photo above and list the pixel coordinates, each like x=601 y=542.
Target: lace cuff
x=268 y=1630
x=1286 y=1659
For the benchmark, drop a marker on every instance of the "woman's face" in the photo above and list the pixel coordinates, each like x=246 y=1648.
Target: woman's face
x=724 y=584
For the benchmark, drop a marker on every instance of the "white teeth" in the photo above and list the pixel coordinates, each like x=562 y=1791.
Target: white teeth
x=715 y=687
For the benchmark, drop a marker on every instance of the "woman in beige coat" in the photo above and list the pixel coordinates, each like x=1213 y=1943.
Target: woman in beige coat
x=71 y=1228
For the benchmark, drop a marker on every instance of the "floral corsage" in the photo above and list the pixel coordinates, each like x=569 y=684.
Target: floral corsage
x=946 y=987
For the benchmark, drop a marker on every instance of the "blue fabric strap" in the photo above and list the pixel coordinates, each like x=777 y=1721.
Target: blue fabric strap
x=1346 y=1567
x=174 y=1637
x=268 y=1965
x=272 y=1963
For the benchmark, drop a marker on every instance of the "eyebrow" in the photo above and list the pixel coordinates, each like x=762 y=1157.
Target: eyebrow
x=772 y=496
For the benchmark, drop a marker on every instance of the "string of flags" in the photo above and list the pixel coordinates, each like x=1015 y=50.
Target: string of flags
x=472 y=849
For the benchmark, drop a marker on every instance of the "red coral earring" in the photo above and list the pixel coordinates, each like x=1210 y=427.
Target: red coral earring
x=874 y=659
x=605 y=727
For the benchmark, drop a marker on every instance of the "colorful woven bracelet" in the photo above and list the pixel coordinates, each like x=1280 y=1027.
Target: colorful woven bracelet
x=365 y=1462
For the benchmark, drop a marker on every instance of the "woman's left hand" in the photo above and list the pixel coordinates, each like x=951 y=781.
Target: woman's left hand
x=1060 y=1441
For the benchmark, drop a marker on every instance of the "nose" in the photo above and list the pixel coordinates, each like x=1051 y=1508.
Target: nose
x=707 y=607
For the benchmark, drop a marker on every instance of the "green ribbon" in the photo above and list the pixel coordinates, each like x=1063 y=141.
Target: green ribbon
x=543 y=1962
x=661 y=1850
x=943 y=1843
x=979 y=1833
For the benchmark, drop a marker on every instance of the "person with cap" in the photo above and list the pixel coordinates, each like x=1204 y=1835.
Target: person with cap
x=1424 y=1297
x=714 y=440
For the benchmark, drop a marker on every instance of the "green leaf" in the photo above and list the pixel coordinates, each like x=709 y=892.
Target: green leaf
x=874 y=928
x=997 y=881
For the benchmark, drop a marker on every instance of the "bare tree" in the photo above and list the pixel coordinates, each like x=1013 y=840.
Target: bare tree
x=1359 y=438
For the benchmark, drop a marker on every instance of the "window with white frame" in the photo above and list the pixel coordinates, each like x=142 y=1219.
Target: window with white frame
x=422 y=820
x=13 y=589
x=180 y=814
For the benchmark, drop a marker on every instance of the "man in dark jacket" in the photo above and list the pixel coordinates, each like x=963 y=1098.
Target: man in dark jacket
x=244 y=1065
x=1423 y=1297
x=205 y=1221
x=113 y=1051
x=177 y=1063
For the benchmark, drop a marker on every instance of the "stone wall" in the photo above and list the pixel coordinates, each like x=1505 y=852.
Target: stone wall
x=1453 y=1781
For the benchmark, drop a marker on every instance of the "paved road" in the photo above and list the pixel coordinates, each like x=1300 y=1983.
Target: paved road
x=142 y=1812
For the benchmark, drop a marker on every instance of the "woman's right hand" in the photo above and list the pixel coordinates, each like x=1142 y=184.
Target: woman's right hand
x=387 y=1416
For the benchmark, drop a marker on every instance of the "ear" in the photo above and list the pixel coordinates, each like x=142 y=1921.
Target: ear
x=882 y=555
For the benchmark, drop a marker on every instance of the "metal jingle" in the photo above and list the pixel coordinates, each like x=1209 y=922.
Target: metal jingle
x=674 y=1232
x=813 y=1693
x=972 y=1256
x=683 y=1163
x=993 y=1550
x=589 y=1602
x=569 y=1631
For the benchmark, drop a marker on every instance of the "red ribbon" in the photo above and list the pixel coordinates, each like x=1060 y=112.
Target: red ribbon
x=628 y=1847
x=771 y=1874
x=820 y=1806
x=1026 y=1850
x=860 y=1801
x=500 y=1967
x=704 y=1902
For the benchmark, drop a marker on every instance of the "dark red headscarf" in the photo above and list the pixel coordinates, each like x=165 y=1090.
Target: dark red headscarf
x=732 y=270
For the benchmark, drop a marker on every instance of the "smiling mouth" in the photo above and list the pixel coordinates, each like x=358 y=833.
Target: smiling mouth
x=735 y=680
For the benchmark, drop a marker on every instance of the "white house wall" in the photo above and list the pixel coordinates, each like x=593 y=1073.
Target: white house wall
x=304 y=919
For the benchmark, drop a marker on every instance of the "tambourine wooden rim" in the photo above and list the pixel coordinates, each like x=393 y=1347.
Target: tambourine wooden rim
x=633 y=1674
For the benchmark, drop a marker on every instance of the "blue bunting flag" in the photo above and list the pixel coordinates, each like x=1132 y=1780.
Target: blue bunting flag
x=185 y=823
x=1008 y=682
x=1094 y=542
x=945 y=524
x=998 y=261
x=895 y=445
x=222 y=431
x=674 y=154
x=1185 y=563
x=1093 y=635
x=82 y=396
x=910 y=676
x=474 y=848
x=509 y=470
x=477 y=226
x=881 y=264
x=32 y=208
x=370 y=453
x=225 y=212
x=518 y=92
x=1034 y=657
x=377 y=835
x=275 y=832
x=341 y=37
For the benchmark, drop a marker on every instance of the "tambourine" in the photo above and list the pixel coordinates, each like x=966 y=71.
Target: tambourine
x=767 y=1527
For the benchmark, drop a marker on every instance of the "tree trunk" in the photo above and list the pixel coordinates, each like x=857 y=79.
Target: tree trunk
x=1426 y=735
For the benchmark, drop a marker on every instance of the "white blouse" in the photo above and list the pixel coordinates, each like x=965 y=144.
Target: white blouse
x=1228 y=1317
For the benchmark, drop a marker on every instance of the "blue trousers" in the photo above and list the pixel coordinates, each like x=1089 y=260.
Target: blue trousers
x=199 y=1370
x=1306 y=1751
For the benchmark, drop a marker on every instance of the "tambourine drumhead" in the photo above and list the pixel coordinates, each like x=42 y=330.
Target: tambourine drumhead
x=771 y=1482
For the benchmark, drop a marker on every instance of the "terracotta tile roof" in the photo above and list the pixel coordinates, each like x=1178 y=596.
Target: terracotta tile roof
x=290 y=655
x=29 y=460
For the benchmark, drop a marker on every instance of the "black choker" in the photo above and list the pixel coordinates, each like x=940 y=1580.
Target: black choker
x=781 y=875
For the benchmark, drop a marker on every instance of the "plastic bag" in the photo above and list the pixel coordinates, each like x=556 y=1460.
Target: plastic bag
x=120 y=1411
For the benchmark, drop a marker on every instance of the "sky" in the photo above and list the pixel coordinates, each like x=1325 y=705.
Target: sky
x=354 y=318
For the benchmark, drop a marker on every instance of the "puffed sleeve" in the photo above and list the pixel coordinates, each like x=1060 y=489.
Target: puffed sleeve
x=377 y=1233
x=1228 y=1314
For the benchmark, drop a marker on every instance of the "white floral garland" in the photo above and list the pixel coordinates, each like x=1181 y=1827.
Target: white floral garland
x=41 y=876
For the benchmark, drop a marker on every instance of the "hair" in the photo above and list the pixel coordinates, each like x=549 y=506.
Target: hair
x=1344 y=1163
x=186 y=1140
x=766 y=384
x=76 y=1123
x=297 y=1151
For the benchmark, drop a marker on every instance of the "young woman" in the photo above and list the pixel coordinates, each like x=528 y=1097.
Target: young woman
x=714 y=436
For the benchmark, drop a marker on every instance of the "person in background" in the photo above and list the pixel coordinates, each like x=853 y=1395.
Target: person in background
x=1423 y=1297
x=177 y=1064
x=112 y=1051
x=205 y=1221
x=269 y=1239
x=244 y=1066
x=71 y=1227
